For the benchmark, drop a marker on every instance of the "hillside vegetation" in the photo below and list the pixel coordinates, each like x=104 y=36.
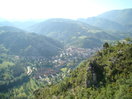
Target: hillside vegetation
x=122 y=17
x=44 y=62
x=22 y=43
x=117 y=23
x=107 y=75
x=104 y=24
x=72 y=32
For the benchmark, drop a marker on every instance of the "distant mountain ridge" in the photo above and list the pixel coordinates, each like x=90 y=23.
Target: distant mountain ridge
x=104 y=24
x=108 y=26
x=69 y=31
x=115 y=20
x=4 y=22
x=46 y=55
x=27 y=44
x=120 y=16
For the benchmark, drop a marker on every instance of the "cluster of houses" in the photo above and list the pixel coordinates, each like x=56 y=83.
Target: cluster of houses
x=51 y=67
x=71 y=54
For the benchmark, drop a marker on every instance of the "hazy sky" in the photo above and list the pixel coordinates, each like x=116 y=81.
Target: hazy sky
x=30 y=9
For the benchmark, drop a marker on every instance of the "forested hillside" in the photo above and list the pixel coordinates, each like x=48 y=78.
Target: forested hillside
x=107 y=75
x=29 y=61
x=22 y=43
x=15 y=82
x=72 y=32
x=116 y=22
x=22 y=55
x=120 y=16
x=104 y=24
x=61 y=58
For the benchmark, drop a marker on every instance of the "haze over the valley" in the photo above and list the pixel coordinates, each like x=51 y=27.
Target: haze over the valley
x=65 y=49
x=44 y=9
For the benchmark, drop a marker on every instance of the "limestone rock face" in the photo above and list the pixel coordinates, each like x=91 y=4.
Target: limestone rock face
x=94 y=74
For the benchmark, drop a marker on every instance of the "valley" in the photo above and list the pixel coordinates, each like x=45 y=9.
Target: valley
x=57 y=58
x=67 y=60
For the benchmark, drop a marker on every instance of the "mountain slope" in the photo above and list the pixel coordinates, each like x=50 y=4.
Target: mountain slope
x=120 y=16
x=104 y=24
x=66 y=30
x=106 y=75
x=117 y=23
x=4 y=22
x=27 y=44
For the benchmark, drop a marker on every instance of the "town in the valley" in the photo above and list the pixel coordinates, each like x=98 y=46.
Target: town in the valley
x=56 y=67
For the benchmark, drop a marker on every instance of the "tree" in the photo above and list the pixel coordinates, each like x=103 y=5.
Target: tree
x=106 y=45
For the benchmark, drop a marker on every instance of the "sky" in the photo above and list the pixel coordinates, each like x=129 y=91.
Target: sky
x=43 y=9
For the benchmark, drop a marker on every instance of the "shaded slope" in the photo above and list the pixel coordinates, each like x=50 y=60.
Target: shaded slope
x=27 y=44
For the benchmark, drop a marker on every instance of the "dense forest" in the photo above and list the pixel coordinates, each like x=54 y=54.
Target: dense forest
x=106 y=75
x=86 y=58
x=23 y=43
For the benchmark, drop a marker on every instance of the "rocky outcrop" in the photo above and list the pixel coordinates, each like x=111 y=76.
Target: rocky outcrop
x=94 y=74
